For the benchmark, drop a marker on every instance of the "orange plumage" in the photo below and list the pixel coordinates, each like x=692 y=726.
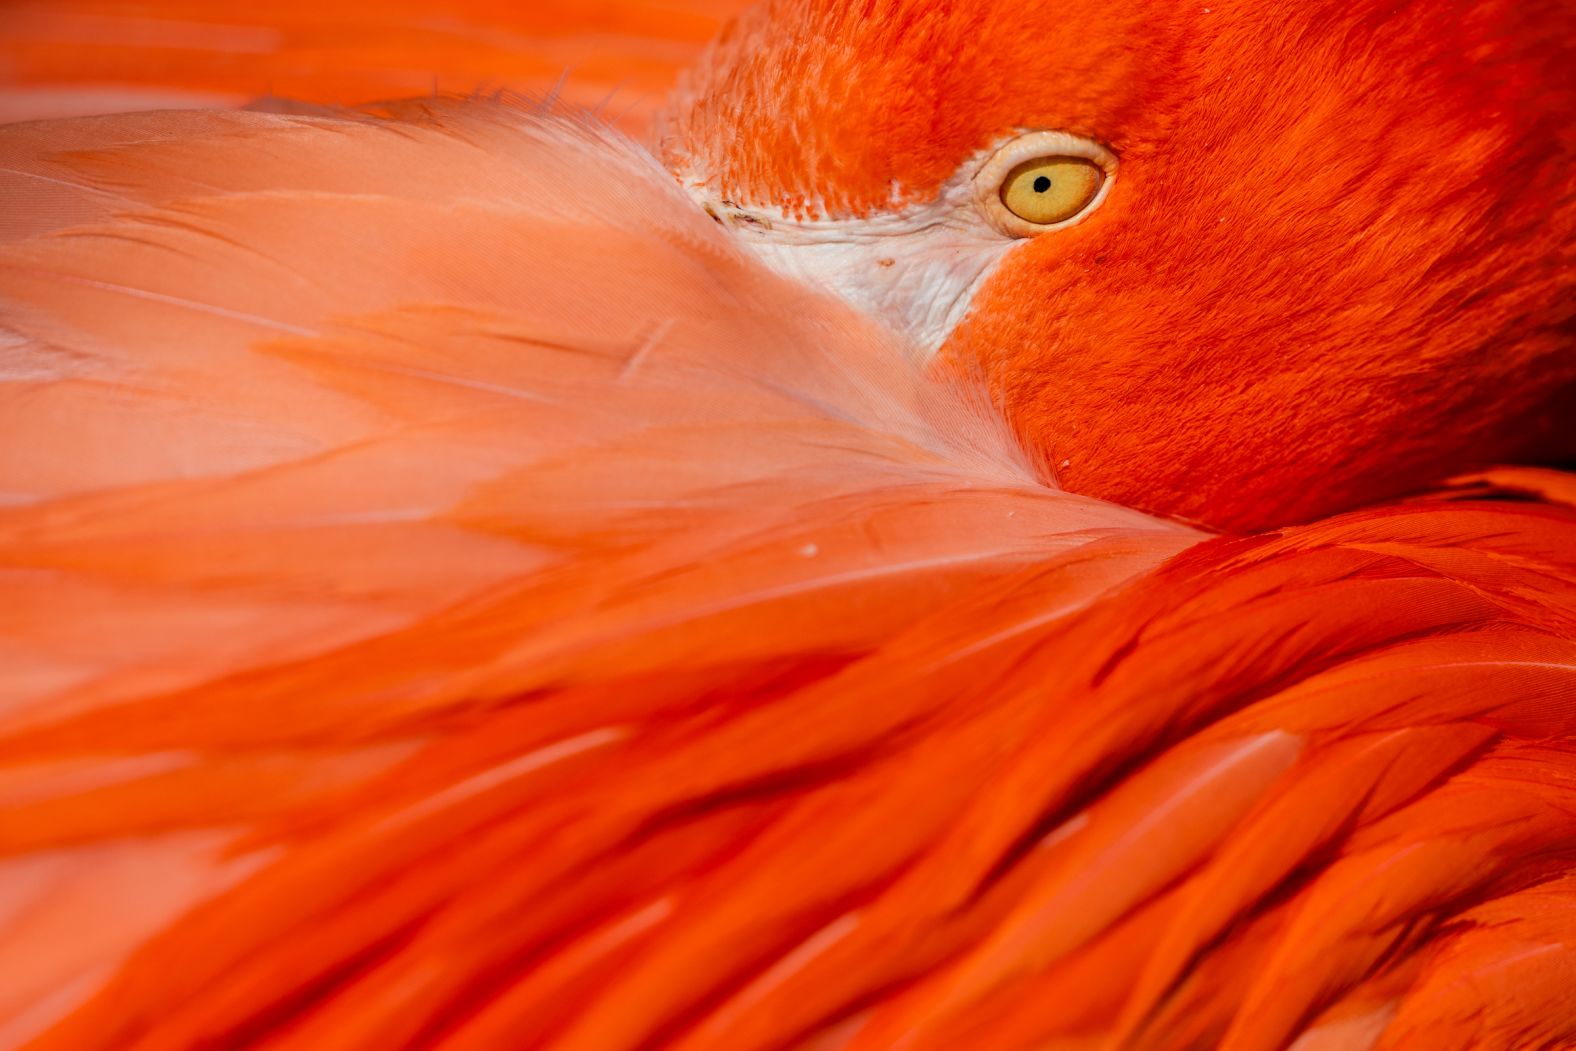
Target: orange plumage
x=78 y=57
x=1338 y=253
x=453 y=595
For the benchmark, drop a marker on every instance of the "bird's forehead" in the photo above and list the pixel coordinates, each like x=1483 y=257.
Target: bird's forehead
x=829 y=109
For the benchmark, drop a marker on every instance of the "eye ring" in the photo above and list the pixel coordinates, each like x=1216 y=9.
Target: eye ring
x=1015 y=154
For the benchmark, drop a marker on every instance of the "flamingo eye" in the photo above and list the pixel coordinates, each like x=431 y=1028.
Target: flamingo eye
x=1043 y=180
x=1050 y=190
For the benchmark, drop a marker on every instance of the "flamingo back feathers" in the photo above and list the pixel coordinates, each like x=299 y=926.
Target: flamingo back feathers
x=78 y=58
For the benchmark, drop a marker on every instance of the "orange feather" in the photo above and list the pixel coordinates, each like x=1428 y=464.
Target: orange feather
x=78 y=57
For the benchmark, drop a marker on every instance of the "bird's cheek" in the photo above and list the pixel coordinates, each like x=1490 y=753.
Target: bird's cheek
x=920 y=283
x=1010 y=327
x=1039 y=337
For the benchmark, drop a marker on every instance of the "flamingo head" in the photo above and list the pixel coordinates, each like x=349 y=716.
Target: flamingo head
x=1237 y=261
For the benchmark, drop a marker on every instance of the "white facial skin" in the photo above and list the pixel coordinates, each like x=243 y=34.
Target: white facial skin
x=916 y=268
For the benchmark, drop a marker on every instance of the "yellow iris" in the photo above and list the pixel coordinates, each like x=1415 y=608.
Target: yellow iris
x=1048 y=190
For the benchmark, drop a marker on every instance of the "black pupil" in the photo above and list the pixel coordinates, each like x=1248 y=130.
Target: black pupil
x=1042 y=184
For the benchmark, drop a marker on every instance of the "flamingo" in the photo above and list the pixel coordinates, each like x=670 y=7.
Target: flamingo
x=471 y=584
